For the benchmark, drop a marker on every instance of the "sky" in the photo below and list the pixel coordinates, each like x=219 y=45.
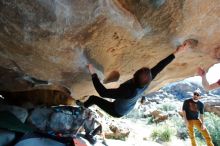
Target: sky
x=213 y=75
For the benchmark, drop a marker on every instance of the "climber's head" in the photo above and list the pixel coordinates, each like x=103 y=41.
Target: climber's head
x=142 y=77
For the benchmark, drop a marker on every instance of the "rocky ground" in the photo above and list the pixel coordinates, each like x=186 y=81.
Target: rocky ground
x=45 y=46
x=135 y=129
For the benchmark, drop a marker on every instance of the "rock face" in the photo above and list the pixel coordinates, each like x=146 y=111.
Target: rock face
x=212 y=105
x=6 y=137
x=53 y=40
x=65 y=120
x=117 y=132
x=19 y=112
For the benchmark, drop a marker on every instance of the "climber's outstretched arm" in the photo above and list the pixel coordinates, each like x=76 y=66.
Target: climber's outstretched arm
x=163 y=63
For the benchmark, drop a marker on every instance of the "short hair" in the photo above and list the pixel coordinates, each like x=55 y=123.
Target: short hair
x=193 y=42
x=138 y=73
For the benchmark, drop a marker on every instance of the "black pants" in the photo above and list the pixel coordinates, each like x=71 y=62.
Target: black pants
x=105 y=105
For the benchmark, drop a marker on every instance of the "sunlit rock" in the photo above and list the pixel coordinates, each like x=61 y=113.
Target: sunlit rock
x=52 y=41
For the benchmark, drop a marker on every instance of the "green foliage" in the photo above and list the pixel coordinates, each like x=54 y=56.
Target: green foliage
x=181 y=130
x=155 y=134
x=200 y=142
x=166 y=135
x=212 y=123
x=182 y=133
x=150 y=120
x=167 y=107
x=175 y=126
x=162 y=133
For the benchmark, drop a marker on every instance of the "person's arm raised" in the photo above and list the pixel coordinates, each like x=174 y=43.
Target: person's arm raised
x=201 y=72
x=208 y=86
x=91 y=69
x=163 y=63
x=121 y=92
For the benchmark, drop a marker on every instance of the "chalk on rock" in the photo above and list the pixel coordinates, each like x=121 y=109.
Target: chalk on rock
x=192 y=42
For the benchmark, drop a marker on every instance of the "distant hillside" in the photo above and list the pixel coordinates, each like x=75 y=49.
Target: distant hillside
x=181 y=90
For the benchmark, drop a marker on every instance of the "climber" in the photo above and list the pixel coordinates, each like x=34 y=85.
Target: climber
x=193 y=110
x=128 y=93
x=201 y=72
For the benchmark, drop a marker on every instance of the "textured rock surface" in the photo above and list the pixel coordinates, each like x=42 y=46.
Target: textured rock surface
x=212 y=105
x=117 y=131
x=39 y=117
x=19 y=112
x=53 y=40
x=65 y=120
x=6 y=137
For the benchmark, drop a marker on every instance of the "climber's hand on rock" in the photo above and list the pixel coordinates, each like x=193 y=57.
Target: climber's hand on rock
x=182 y=48
x=91 y=69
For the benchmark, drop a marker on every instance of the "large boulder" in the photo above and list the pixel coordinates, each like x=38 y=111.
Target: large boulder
x=212 y=104
x=159 y=116
x=39 y=117
x=213 y=108
x=67 y=122
x=6 y=137
x=117 y=131
x=46 y=41
x=19 y=112
x=60 y=119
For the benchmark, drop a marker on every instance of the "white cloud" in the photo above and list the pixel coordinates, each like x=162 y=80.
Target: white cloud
x=213 y=74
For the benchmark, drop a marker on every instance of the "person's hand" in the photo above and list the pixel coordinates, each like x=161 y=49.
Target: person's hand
x=91 y=69
x=182 y=48
x=203 y=127
x=201 y=72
